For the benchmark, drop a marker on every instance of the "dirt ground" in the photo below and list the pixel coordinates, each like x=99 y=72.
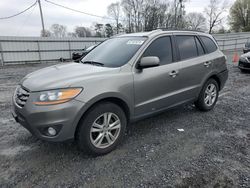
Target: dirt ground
x=213 y=150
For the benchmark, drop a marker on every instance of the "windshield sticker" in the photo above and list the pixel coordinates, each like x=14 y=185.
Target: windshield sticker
x=135 y=42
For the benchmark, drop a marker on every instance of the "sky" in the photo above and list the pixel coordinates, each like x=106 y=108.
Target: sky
x=29 y=23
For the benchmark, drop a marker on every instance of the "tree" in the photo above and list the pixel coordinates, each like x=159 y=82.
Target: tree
x=71 y=34
x=179 y=12
x=99 y=30
x=108 y=30
x=239 y=16
x=114 y=11
x=58 y=30
x=82 y=32
x=45 y=33
x=196 y=21
x=214 y=12
x=134 y=11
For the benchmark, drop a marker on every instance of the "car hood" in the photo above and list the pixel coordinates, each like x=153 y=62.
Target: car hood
x=63 y=76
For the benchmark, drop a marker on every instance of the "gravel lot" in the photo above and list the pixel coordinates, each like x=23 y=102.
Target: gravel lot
x=213 y=151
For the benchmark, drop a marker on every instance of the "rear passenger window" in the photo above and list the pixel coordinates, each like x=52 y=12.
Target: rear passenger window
x=161 y=48
x=209 y=43
x=187 y=47
x=199 y=47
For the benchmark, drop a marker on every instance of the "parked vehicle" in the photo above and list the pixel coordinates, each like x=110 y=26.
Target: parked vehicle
x=246 y=49
x=124 y=79
x=244 y=62
x=77 y=56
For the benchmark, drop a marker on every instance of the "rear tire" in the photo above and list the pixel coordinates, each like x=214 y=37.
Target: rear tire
x=208 y=95
x=102 y=129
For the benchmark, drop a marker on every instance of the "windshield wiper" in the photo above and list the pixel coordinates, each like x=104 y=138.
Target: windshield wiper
x=93 y=63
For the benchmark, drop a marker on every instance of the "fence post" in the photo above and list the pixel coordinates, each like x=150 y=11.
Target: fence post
x=236 y=44
x=223 y=44
x=69 y=49
x=39 y=51
x=1 y=50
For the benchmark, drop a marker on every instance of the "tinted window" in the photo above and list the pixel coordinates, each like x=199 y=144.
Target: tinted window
x=187 y=47
x=161 y=48
x=209 y=43
x=115 y=52
x=199 y=47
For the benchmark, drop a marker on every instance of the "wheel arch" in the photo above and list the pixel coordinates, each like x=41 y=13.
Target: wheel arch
x=217 y=79
x=114 y=99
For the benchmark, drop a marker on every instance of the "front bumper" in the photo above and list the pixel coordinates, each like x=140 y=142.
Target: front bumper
x=244 y=65
x=36 y=119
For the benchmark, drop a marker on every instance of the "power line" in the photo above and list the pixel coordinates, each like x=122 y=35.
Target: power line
x=7 y=17
x=26 y=19
x=89 y=14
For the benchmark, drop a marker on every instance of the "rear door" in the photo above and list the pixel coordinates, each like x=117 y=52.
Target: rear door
x=194 y=66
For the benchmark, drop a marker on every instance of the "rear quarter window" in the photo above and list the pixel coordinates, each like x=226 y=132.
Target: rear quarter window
x=209 y=44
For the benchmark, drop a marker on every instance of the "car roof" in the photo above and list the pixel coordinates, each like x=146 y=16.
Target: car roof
x=162 y=31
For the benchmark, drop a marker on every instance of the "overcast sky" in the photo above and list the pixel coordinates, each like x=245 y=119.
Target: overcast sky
x=29 y=23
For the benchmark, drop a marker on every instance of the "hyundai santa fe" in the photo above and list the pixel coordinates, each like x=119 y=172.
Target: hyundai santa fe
x=124 y=79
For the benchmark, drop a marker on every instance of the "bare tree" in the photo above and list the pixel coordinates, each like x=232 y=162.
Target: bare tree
x=114 y=11
x=214 y=12
x=134 y=11
x=58 y=30
x=126 y=5
x=196 y=21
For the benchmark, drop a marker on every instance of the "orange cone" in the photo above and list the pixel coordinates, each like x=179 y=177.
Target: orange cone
x=236 y=57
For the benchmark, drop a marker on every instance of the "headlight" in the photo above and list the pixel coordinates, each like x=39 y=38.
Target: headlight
x=57 y=96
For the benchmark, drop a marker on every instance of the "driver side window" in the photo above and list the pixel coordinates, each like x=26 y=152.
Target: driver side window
x=162 y=48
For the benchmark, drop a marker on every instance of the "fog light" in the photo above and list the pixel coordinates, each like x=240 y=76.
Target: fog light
x=51 y=131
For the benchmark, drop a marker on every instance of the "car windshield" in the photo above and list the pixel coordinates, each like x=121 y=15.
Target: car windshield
x=115 y=52
x=247 y=45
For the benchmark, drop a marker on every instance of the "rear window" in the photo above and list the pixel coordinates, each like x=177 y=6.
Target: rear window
x=187 y=47
x=209 y=44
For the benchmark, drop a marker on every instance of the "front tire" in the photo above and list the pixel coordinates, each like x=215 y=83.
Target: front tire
x=208 y=95
x=101 y=129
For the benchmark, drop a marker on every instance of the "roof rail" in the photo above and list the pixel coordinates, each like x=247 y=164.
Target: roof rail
x=178 y=29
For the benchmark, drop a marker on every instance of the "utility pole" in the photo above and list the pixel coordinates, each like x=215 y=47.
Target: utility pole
x=41 y=14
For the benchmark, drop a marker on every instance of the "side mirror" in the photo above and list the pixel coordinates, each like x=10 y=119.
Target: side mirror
x=147 y=62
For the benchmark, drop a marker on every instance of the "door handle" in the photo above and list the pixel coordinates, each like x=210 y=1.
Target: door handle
x=173 y=73
x=206 y=64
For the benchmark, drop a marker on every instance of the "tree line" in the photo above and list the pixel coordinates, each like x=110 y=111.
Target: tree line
x=145 y=15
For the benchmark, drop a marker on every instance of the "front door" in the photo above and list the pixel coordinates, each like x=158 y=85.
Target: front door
x=156 y=87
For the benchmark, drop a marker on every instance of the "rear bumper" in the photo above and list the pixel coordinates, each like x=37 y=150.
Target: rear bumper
x=223 y=76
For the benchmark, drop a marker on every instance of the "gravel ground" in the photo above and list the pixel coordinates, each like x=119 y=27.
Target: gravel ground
x=213 y=150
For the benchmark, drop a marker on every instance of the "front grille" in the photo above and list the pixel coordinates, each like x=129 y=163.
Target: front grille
x=21 y=96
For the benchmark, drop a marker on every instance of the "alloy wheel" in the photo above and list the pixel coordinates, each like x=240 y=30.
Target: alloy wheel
x=210 y=94
x=105 y=130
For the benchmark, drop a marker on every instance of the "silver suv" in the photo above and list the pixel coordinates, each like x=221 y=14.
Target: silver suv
x=124 y=79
